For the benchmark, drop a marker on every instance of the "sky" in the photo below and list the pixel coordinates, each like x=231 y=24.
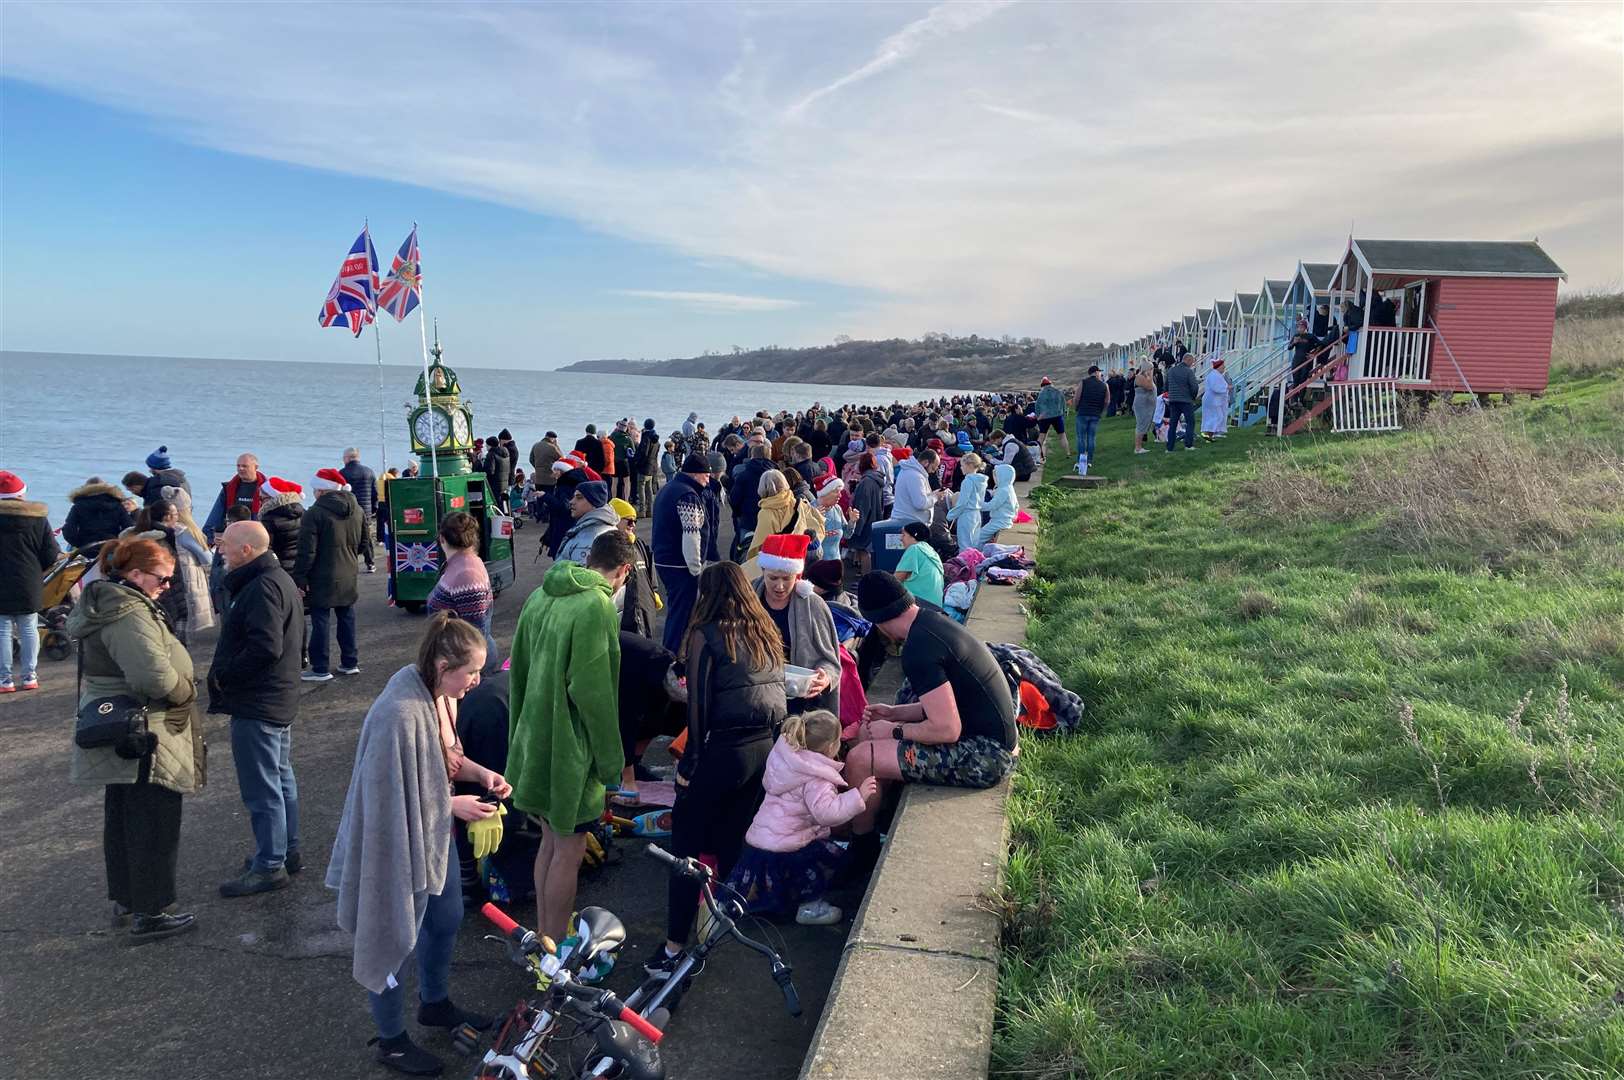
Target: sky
x=653 y=180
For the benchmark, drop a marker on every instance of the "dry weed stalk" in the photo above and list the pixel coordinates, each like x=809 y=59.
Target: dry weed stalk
x=1406 y=721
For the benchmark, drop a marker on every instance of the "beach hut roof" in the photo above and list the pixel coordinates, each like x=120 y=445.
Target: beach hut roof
x=1319 y=274
x=1459 y=258
x=1277 y=289
x=1223 y=308
x=1203 y=314
x=1247 y=302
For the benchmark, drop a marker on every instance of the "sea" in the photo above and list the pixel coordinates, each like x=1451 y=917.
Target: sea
x=65 y=418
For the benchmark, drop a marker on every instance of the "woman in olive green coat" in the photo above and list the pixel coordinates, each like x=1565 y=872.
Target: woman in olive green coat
x=128 y=647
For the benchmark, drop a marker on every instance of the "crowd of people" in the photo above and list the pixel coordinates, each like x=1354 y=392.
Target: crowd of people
x=754 y=650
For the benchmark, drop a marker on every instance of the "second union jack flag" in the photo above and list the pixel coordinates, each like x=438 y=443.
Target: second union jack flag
x=353 y=299
x=402 y=289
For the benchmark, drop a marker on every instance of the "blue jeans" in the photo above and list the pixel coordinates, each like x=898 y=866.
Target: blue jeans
x=28 y=630
x=263 y=755
x=1174 y=410
x=348 y=655
x=1087 y=426
x=436 y=936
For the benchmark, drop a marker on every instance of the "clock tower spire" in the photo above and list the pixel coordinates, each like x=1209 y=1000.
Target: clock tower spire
x=442 y=427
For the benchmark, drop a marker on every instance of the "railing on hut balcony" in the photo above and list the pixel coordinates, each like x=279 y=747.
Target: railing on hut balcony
x=1403 y=354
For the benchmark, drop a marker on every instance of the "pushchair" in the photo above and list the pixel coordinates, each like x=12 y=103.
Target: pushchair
x=60 y=582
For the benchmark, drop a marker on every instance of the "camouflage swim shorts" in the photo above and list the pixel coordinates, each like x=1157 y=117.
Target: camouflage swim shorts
x=972 y=763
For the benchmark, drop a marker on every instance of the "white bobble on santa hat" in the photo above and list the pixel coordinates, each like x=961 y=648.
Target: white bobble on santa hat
x=331 y=480
x=275 y=485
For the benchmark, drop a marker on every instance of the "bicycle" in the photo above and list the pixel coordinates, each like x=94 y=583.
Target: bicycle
x=656 y=998
x=566 y=1010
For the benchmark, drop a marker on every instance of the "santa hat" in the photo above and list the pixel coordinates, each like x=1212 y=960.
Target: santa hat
x=11 y=486
x=1217 y=363
x=275 y=485
x=786 y=552
x=568 y=462
x=331 y=480
x=1046 y=382
x=833 y=485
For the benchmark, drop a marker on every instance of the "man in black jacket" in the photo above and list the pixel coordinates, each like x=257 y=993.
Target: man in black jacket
x=27 y=550
x=330 y=536
x=254 y=680
x=364 y=486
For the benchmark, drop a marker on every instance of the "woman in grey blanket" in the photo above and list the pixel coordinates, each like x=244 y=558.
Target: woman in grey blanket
x=394 y=864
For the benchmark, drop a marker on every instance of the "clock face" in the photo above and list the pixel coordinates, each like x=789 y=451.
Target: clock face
x=431 y=427
x=459 y=426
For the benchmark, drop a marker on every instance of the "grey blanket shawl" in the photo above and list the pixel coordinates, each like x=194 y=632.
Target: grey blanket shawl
x=812 y=637
x=391 y=851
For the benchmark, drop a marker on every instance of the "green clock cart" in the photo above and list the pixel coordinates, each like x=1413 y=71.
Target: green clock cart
x=441 y=426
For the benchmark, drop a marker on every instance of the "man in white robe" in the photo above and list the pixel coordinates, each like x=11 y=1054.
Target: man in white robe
x=1215 y=403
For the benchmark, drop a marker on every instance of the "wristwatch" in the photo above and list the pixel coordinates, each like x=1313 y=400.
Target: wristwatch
x=896 y=732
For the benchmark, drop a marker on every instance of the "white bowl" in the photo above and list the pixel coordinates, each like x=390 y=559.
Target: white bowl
x=796 y=680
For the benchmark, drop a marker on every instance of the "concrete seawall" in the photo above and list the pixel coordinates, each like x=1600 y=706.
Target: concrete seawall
x=918 y=981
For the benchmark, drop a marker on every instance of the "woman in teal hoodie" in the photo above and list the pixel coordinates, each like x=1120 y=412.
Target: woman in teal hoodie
x=563 y=715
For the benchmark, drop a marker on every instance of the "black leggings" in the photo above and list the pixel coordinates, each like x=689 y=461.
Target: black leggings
x=141 y=843
x=712 y=814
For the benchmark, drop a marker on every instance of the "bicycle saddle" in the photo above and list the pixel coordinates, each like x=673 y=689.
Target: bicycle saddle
x=604 y=932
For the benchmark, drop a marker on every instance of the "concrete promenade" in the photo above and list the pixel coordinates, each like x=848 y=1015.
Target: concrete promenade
x=918 y=980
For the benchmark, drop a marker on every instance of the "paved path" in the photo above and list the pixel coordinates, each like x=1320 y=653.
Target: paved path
x=262 y=987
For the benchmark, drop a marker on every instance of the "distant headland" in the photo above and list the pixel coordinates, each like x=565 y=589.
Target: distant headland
x=970 y=363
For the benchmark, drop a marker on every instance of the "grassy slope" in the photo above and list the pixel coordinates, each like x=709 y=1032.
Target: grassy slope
x=1244 y=866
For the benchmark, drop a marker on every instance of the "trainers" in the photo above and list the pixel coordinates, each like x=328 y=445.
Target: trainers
x=316 y=676
x=353 y=669
x=7 y=686
x=30 y=682
x=405 y=1056
x=292 y=864
x=445 y=1014
x=818 y=913
x=256 y=881
x=144 y=928
x=661 y=965
x=372 y=569
x=1141 y=451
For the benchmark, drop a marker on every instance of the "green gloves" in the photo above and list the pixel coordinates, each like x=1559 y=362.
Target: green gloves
x=486 y=833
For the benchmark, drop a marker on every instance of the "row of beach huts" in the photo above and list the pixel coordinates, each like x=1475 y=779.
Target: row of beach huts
x=1468 y=316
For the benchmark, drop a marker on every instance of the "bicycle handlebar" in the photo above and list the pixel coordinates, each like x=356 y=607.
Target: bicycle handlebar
x=692 y=869
x=500 y=919
x=629 y=1016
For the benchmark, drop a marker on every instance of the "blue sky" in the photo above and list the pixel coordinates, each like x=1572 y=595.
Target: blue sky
x=656 y=180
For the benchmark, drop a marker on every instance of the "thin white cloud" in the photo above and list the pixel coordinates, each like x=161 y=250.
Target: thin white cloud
x=1153 y=156
x=712 y=302
x=940 y=21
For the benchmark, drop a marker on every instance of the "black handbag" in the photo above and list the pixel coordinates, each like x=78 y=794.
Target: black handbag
x=118 y=721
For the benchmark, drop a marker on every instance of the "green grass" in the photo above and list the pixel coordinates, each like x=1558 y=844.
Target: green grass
x=1245 y=865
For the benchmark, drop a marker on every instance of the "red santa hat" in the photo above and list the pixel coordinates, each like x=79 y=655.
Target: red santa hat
x=785 y=552
x=275 y=485
x=11 y=487
x=567 y=462
x=831 y=485
x=331 y=480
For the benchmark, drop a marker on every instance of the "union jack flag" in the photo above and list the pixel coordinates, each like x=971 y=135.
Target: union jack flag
x=353 y=299
x=416 y=558
x=401 y=291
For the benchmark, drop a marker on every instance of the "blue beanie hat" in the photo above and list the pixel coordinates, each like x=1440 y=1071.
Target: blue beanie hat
x=595 y=492
x=159 y=458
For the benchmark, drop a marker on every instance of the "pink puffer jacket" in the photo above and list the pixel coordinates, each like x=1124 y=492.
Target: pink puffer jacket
x=803 y=801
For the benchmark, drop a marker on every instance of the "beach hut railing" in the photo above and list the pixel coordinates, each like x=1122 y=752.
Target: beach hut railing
x=1401 y=353
x=1364 y=405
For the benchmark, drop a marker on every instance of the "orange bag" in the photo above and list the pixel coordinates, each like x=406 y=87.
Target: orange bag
x=1035 y=712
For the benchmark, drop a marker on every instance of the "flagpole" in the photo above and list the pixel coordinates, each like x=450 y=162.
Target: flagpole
x=423 y=333
x=383 y=433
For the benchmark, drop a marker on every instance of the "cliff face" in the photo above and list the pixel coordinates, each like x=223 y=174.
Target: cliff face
x=950 y=363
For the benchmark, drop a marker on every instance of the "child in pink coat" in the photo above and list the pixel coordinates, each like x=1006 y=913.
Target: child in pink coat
x=788 y=857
